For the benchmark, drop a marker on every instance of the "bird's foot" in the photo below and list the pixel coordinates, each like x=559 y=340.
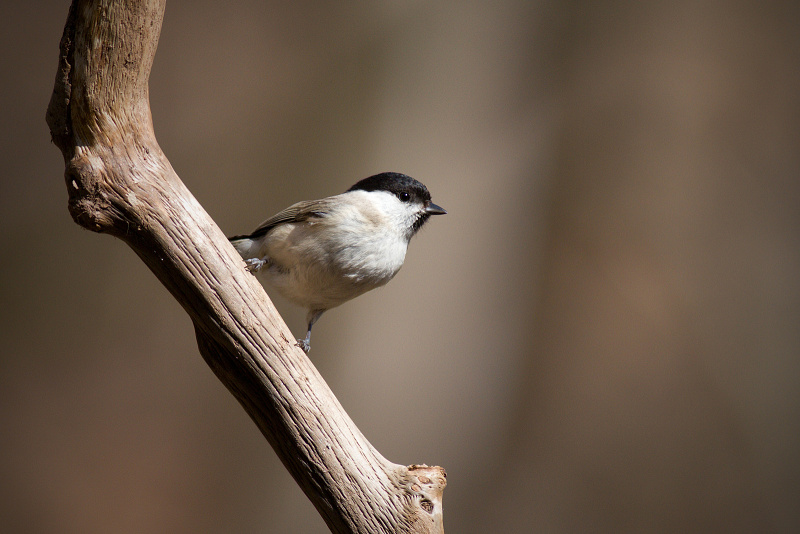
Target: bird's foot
x=254 y=264
x=304 y=344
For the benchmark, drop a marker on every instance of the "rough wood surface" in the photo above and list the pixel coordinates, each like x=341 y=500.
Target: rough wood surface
x=120 y=182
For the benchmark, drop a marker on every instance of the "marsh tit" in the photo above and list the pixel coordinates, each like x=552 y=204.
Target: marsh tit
x=321 y=253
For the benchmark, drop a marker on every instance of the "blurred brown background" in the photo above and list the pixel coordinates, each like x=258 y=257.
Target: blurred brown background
x=602 y=336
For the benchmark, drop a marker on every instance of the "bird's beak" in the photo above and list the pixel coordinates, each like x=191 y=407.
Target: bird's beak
x=433 y=209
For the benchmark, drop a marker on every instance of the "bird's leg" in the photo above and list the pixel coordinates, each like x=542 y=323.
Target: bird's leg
x=312 y=317
x=255 y=264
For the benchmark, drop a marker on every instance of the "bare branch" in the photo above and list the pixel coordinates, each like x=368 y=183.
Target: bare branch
x=120 y=182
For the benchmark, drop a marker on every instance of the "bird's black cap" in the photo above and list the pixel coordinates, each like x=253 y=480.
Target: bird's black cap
x=406 y=189
x=395 y=183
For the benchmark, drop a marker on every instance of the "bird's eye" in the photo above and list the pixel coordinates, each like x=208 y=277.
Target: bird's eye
x=403 y=196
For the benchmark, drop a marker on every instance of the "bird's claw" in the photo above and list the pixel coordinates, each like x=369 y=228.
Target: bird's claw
x=304 y=344
x=254 y=264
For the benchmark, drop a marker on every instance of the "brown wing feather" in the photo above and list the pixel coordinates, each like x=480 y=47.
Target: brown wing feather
x=301 y=211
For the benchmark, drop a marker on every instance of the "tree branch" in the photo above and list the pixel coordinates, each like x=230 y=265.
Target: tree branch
x=120 y=182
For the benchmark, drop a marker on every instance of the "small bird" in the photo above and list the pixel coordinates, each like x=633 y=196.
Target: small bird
x=321 y=253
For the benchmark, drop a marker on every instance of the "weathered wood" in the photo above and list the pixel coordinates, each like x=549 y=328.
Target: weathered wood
x=120 y=182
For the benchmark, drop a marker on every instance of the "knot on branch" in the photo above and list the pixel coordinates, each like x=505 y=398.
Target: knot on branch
x=89 y=203
x=425 y=486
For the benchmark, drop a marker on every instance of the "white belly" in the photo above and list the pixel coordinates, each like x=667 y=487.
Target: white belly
x=317 y=276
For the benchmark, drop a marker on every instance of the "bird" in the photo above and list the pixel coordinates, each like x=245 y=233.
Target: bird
x=321 y=253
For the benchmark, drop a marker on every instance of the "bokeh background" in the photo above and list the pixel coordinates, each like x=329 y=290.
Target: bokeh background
x=602 y=336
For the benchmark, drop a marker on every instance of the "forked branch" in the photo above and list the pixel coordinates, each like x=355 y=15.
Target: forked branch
x=120 y=182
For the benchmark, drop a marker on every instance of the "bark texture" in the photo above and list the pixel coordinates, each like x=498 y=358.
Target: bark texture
x=120 y=182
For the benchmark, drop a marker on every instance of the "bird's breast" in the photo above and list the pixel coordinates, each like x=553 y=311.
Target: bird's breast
x=321 y=270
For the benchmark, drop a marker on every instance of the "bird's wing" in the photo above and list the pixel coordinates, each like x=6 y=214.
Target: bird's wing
x=302 y=211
